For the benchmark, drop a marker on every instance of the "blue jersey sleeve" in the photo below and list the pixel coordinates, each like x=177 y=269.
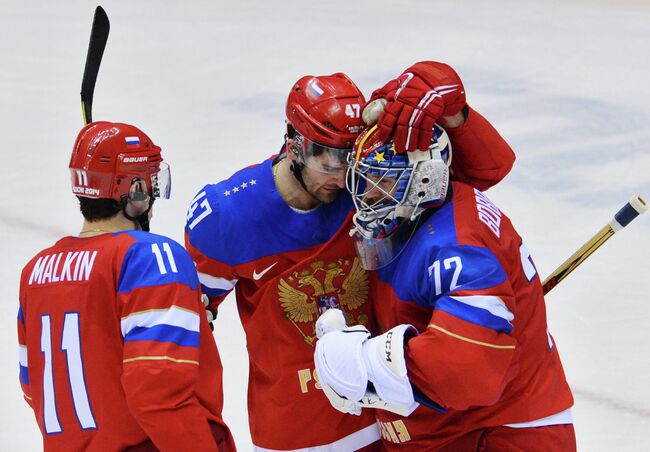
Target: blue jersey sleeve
x=154 y=260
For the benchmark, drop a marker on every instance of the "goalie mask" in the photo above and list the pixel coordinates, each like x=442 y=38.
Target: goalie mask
x=390 y=190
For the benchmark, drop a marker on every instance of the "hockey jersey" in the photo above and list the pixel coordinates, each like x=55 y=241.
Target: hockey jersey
x=114 y=347
x=466 y=281
x=286 y=267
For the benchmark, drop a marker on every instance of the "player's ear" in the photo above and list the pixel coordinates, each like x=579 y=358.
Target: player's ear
x=138 y=199
x=291 y=153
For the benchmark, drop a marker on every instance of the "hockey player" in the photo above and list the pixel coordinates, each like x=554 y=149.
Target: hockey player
x=463 y=311
x=115 y=350
x=277 y=233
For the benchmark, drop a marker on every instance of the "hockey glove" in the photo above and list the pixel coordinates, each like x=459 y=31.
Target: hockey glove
x=330 y=320
x=406 y=108
x=347 y=361
x=209 y=312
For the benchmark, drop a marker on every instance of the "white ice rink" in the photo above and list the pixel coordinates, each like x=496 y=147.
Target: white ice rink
x=566 y=82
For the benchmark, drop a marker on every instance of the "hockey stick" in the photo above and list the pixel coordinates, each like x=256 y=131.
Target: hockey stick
x=98 y=38
x=623 y=217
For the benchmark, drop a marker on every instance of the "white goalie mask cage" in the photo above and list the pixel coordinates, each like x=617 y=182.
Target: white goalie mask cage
x=390 y=190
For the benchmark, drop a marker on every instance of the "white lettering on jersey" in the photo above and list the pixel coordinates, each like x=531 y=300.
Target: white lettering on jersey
x=48 y=268
x=437 y=279
x=488 y=213
x=206 y=209
x=527 y=263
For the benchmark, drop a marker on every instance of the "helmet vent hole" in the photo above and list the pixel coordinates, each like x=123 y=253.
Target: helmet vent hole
x=426 y=180
x=421 y=194
x=330 y=126
x=387 y=221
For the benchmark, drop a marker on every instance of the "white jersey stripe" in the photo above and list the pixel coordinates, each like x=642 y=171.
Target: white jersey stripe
x=22 y=355
x=354 y=441
x=216 y=283
x=173 y=316
x=495 y=305
x=563 y=417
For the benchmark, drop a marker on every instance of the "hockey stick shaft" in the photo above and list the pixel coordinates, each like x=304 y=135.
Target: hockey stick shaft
x=623 y=217
x=98 y=38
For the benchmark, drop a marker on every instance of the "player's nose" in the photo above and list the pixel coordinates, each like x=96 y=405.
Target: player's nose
x=373 y=195
x=339 y=179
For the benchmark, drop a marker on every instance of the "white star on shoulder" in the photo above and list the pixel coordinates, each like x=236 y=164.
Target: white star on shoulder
x=244 y=185
x=252 y=182
x=227 y=192
x=235 y=189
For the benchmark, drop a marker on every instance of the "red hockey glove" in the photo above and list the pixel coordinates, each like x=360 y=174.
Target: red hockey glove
x=415 y=101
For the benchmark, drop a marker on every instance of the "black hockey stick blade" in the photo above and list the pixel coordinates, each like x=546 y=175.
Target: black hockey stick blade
x=98 y=38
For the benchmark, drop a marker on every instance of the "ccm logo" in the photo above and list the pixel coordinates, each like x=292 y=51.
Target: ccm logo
x=387 y=346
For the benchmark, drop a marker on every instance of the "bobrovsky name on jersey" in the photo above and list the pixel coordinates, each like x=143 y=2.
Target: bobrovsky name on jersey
x=63 y=267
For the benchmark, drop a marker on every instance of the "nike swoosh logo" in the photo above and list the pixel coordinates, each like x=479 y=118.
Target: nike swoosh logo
x=257 y=276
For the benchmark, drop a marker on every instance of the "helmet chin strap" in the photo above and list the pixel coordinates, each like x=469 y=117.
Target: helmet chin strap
x=141 y=220
x=297 y=167
x=296 y=170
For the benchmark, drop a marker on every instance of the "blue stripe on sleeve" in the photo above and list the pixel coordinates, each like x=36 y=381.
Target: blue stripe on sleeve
x=472 y=314
x=164 y=333
x=214 y=292
x=24 y=375
x=21 y=317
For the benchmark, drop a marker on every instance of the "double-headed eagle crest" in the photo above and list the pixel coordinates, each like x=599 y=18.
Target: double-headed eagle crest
x=306 y=294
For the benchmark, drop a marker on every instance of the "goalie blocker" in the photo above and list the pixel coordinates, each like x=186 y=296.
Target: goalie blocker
x=373 y=376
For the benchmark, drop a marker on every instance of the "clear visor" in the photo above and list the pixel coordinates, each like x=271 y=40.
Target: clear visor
x=98 y=184
x=321 y=158
x=161 y=182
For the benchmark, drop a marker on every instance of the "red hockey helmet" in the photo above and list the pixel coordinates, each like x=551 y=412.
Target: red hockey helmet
x=108 y=158
x=325 y=111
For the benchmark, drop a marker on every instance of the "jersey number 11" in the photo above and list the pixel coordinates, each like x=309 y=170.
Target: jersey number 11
x=71 y=345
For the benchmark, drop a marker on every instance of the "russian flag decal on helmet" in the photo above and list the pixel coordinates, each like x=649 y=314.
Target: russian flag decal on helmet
x=314 y=91
x=132 y=141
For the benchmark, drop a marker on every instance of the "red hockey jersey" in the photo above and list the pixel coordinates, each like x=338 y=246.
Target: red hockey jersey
x=115 y=349
x=287 y=266
x=466 y=281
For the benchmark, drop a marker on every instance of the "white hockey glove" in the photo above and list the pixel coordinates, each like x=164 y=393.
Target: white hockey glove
x=208 y=312
x=347 y=360
x=330 y=320
x=386 y=364
x=334 y=320
x=340 y=403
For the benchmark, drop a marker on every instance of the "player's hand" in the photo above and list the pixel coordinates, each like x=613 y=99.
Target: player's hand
x=210 y=312
x=406 y=108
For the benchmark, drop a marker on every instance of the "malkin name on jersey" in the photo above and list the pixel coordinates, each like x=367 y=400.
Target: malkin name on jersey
x=52 y=268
